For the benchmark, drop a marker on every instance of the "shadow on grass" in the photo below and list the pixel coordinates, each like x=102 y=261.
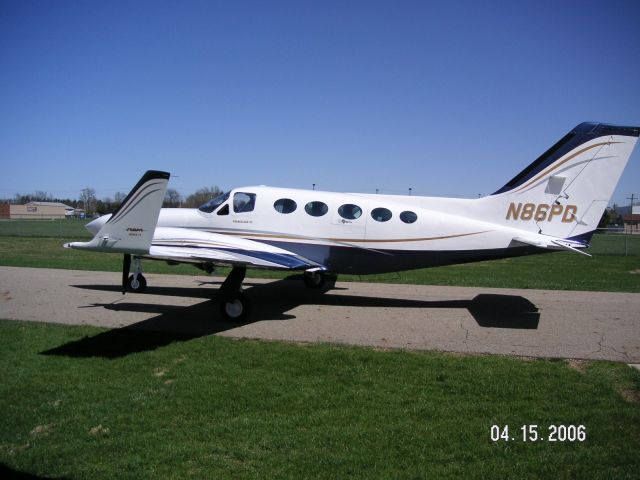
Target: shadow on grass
x=270 y=301
x=8 y=472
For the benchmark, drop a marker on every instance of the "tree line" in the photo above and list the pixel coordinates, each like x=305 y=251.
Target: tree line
x=88 y=201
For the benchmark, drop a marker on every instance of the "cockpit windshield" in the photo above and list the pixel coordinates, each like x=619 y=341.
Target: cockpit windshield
x=214 y=203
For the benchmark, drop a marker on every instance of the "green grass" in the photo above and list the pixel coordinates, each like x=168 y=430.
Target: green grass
x=558 y=271
x=213 y=407
x=72 y=228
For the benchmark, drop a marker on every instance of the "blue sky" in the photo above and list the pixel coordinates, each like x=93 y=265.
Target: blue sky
x=449 y=98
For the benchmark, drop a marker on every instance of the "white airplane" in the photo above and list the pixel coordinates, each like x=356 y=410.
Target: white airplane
x=553 y=204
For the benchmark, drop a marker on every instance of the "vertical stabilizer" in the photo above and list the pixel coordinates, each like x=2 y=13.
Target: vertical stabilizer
x=565 y=191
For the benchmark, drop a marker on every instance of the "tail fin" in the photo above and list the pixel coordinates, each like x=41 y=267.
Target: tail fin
x=130 y=229
x=565 y=191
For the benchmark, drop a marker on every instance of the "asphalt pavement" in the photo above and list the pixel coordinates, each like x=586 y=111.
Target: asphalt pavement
x=534 y=323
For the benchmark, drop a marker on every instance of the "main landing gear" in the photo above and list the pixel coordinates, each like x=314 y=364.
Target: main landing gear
x=314 y=279
x=234 y=304
x=319 y=279
x=135 y=282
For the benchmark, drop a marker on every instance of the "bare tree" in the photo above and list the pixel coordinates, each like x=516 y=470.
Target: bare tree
x=119 y=197
x=38 y=196
x=88 y=198
x=41 y=196
x=172 y=198
x=202 y=195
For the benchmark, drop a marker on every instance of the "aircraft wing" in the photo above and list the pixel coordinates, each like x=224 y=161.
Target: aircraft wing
x=132 y=230
x=187 y=245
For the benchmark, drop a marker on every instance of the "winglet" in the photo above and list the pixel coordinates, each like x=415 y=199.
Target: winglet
x=130 y=229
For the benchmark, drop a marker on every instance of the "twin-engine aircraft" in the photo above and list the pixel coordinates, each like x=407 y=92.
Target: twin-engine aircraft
x=553 y=204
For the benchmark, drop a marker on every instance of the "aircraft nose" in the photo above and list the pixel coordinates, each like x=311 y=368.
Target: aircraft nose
x=94 y=226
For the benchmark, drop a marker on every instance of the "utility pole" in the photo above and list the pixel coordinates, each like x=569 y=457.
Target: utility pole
x=631 y=199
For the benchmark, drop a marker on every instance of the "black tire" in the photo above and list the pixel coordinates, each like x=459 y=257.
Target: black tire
x=314 y=280
x=235 y=310
x=139 y=286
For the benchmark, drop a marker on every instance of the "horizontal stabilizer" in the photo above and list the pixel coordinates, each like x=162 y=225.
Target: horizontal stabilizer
x=542 y=241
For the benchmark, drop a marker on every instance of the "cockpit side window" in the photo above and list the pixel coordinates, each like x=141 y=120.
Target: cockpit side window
x=244 y=202
x=214 y=203
x=224 y=210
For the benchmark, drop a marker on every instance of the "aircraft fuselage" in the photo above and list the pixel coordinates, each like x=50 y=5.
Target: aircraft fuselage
x=355 y=233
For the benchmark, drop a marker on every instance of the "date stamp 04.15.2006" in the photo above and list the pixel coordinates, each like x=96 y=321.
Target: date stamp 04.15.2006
x=537 y=433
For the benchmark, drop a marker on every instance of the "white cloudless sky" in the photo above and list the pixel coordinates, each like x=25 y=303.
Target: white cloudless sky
x=449 y=98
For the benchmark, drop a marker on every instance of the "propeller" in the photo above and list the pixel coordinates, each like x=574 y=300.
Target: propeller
x=126 y=266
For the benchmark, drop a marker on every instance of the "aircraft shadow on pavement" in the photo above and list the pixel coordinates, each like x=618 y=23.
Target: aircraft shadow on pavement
x=270 y=301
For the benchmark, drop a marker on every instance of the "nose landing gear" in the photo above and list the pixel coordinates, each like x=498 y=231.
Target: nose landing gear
x=135 y=282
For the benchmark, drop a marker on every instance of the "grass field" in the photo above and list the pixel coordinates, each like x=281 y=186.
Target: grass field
x=219 y=408
x=76 y=403
x=558 y=271
x=72 y=228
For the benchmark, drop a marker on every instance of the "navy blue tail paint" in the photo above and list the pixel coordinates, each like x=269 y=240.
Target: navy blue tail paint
x=579 y=135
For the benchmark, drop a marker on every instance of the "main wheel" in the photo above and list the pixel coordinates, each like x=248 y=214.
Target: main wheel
x=235 y=310
x=314 y=280
x=137 y=283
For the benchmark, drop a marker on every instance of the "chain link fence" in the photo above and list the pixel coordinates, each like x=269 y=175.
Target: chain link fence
x=614 y=241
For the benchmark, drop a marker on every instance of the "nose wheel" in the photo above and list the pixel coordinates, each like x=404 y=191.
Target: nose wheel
x=136 y=283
